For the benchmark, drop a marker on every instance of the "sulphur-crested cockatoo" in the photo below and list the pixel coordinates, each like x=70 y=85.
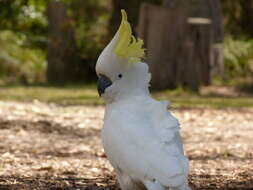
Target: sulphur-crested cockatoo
x=140 y=137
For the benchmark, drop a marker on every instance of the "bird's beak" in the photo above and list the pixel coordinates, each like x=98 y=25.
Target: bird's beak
x=103 y=83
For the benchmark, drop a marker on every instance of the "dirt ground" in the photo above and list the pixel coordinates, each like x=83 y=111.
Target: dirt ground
x=49 y=147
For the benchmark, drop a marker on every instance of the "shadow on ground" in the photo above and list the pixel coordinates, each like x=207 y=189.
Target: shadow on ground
x=197 y=182
x=52 y=183
x=59 y=148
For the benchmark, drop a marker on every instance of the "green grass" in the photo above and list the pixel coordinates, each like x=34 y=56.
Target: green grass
x=214 y=101
x=64 y=95
x=87 y=95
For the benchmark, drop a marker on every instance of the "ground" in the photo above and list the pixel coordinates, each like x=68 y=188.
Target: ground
x=47 y=146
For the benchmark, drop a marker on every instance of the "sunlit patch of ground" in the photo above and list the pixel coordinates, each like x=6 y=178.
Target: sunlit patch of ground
x=50 y=147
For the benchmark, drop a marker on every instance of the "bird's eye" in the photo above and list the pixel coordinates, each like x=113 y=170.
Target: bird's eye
x=120 y=76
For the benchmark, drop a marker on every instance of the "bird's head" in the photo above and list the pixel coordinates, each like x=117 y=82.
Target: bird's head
x=119 y=67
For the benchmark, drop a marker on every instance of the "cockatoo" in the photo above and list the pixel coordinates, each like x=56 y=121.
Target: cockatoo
x=140 y=137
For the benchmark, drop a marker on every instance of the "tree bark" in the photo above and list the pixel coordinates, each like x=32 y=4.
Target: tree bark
x=163 y=32
x=64 y=63
x=180 y=38
x=217 y=57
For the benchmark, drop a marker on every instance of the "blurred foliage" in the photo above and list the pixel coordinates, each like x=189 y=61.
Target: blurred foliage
x=27 y=18
x=238 y=55
x=90 y=21
x=23 y=41
x=23 y=34
x=19 y=63
x=238 y=18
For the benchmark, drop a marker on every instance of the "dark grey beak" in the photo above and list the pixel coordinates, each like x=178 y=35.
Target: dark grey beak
x=103 y=83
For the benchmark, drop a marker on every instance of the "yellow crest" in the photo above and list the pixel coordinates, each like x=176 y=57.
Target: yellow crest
x=127 y=46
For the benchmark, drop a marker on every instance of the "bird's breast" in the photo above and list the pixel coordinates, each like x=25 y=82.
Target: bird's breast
x=122 y=151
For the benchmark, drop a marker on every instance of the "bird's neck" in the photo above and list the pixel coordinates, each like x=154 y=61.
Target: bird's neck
x=130 y=95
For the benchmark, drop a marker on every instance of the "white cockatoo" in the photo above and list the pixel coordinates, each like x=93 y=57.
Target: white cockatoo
x=140 y=137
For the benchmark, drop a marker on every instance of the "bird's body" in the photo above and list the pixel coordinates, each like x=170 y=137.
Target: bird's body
x=142 y=142
x=140 y=136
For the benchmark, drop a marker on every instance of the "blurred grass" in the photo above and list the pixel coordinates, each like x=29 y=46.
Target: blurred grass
x=211 y=100
x=87 y=95
x=63 y=95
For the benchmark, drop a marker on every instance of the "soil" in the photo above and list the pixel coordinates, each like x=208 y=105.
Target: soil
x=50 y=147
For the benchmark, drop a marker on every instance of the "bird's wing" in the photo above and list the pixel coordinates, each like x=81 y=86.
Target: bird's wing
x=156 y=158
x=165 y=124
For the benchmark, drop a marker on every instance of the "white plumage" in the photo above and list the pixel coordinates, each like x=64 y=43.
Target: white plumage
x=140 y=137
x=142 y=142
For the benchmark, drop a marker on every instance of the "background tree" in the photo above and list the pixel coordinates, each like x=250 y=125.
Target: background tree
x=64 y=62
x=23 y=41
x=179 y=38
x=24 y=35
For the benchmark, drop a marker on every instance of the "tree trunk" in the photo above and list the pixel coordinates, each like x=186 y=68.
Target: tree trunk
x=179 y=38
x=163 y=32
x=217 y=57
x=64 y=63
x=198 y=52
